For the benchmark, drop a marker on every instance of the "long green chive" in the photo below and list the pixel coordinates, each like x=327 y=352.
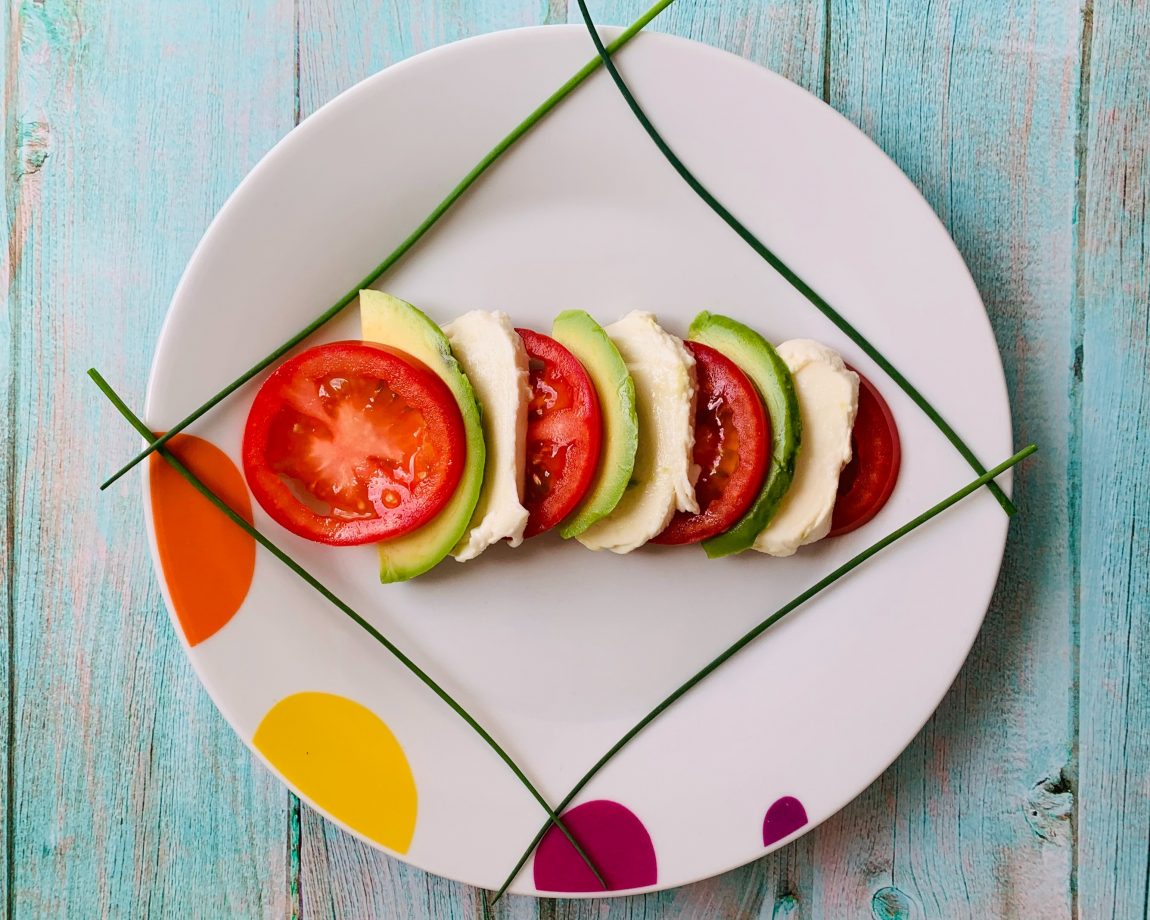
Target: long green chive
x=757 y=631
x=778 y=265
x=311 y=580
x=401 y=250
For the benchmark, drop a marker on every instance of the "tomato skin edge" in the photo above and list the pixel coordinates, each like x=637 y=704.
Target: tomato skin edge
x=558 y=505
x=879 y=405
x=753 y=429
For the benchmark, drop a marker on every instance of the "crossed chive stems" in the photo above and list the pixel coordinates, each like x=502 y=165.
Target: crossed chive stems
x=604 y=52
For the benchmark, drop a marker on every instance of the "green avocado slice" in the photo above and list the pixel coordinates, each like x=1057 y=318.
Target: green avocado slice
x=758 y=360
x=395 y=322
x=585 y=338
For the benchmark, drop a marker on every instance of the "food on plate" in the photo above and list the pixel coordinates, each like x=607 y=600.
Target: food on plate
x=394 y=322
x=493 y=358
x=586 y=340
x=828 y=393
x=757 y=358
x=732 y=448
x=867 y=481
x=564 y=431
x=663 y=480
x=350 y=443
x=432 y=442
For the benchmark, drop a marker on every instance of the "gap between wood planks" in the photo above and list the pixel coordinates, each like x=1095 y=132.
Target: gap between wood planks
x=15 y=173
x=1074 y=471
x=827 y=6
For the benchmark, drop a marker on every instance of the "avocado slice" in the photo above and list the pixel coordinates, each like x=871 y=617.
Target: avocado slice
x=771 y=377
x=395 y=322
x=586 y=340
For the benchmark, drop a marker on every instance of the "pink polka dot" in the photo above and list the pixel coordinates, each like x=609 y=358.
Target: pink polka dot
x=784 y=817
x=612 y=837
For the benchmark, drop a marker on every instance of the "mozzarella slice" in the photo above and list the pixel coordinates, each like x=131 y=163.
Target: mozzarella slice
x=663 y=481
x=495 y=361
x=828 y=394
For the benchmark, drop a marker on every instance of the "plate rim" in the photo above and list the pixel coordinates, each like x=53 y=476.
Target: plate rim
x=315 y=122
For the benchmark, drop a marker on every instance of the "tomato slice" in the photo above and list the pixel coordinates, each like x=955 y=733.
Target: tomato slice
x=732 y=448
x=564 y=432
x=867 y=481
x=353 y=442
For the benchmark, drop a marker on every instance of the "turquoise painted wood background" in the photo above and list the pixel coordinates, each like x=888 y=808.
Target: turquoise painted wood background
x=1026 y=123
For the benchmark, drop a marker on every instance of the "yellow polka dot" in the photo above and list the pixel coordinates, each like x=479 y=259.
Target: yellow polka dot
x=346 y=760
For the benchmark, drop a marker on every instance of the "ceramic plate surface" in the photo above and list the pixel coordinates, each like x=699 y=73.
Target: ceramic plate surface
x=555 y=649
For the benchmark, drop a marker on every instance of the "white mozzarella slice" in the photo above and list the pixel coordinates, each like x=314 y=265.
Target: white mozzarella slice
x=828 y=393
x=663 y=481
x=495 y=361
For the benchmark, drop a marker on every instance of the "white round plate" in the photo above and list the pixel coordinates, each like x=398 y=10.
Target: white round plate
x=557 y=650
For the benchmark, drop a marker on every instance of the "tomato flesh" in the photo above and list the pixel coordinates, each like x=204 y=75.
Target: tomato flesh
x=353 y=442
x=732 y=448
x=868 y=480
x=564 y=433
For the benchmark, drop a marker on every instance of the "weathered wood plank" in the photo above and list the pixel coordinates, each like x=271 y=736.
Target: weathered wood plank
x=343 y=41
x=976 y=102
x=131 y=122
x=786 y=37
x=1114 y=797
x=7 y=457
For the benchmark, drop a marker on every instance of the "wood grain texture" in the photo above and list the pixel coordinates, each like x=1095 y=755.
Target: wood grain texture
x=343 y=41
x=128 y=125
x=1114 y=750
x=1025 y=796
x=976 y=102
x=787 y=37
x=8 y=449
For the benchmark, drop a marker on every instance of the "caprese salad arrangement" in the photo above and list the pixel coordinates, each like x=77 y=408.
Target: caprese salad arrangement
x=433 y=442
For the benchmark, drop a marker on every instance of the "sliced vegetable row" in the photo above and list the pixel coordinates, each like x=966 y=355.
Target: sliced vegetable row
x=433 y=442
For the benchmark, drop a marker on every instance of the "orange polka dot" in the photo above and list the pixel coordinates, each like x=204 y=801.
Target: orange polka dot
x=208 y=561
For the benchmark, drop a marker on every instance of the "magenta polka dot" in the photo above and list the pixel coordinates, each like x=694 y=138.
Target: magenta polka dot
x=612 y=836
x=784 y=817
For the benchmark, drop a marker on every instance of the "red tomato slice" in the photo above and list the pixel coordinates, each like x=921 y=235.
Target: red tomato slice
x=867 y=481
x=564 y=429
x=353 y=442
x=732 y=448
